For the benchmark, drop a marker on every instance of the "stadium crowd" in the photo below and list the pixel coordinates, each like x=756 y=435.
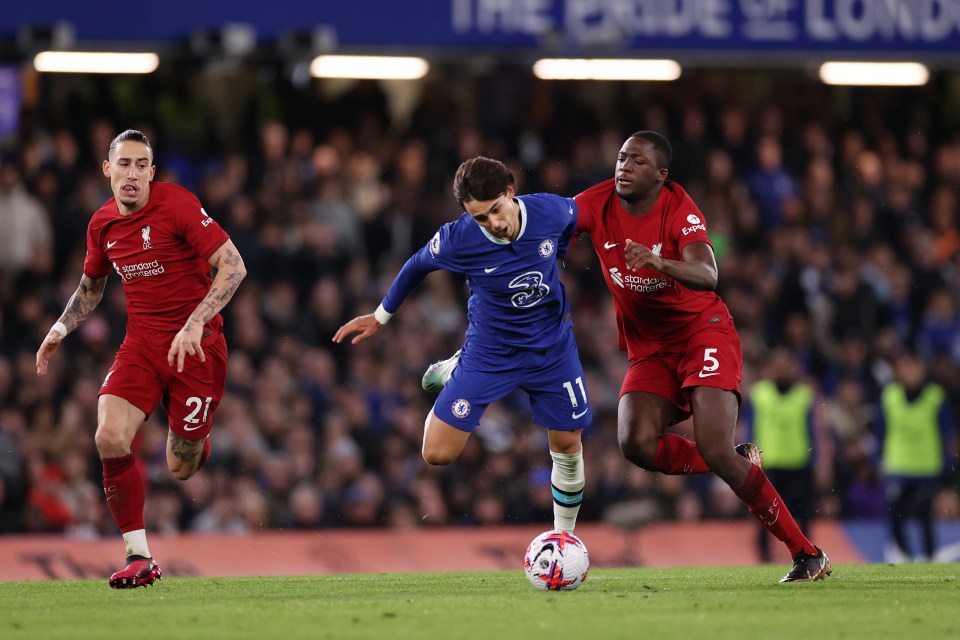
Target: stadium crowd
x=833 y=213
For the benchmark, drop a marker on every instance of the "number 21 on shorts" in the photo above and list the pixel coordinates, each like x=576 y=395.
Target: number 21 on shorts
x=196 y=403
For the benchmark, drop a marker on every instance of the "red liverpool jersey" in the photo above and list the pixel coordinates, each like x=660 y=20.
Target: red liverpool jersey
x=654 y=312
x=160 y=253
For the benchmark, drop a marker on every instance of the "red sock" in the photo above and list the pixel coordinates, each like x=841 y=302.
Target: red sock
x=678 y=456
x=123 y=487
x=205 y=453
x=767 y=507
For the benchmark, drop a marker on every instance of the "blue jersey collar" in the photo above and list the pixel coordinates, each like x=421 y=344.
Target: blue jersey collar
x=523 y=226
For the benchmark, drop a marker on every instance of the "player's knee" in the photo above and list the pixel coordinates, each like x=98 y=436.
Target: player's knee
x=437 y=456
x=565 y=441
x=111 y=443
x=638 y=447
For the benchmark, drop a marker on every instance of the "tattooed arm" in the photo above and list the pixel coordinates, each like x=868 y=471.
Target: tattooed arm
x=230 y=271
x=82 y=303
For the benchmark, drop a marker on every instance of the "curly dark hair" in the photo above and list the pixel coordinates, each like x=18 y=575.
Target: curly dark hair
x=481 y=179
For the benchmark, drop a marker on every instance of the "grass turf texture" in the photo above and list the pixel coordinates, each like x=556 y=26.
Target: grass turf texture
x=858 y=601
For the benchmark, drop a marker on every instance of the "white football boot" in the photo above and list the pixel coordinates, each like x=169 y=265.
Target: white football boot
x=438 y=373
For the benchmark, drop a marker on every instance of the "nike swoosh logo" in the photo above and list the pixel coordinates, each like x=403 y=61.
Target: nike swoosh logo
x=491 y=269
x=186 y=428
x=707 y=375
x=581 y=414
x=110 y=244
x=610 y=245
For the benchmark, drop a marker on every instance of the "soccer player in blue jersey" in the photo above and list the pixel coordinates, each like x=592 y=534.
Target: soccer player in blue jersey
x=520 y=333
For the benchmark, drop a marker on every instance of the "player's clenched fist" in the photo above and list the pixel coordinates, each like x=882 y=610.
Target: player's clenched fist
x=639 y=255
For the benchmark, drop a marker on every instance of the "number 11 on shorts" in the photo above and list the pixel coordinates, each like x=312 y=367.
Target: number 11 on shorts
x=573 y=398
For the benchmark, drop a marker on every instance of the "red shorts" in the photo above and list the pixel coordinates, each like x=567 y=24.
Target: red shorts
x=710 y=357
x=141 y=376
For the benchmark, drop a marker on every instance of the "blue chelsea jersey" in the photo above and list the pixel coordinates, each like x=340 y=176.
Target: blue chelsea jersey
x=516 y=298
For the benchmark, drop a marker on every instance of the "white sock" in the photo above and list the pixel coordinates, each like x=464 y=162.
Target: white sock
x=136 y=543
x=567 y=480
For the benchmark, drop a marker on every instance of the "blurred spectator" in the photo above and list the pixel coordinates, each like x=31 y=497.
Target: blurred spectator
x=944 y=223
x=47 y=507
x=772 y=186
x=307 y=508
x=779 y=415
x=26 y=237
x=915 y=430
x=939 y=334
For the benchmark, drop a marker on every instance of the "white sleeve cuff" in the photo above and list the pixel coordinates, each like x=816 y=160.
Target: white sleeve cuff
x=382 y=315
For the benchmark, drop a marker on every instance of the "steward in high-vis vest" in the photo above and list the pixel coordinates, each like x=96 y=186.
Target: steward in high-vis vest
x=914 y=428
x=782 y=423
x=778 y=416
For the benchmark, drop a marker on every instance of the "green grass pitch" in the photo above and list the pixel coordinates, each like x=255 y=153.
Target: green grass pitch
x=858 y=601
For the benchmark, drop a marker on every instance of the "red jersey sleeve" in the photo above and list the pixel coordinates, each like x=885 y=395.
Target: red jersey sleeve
x=196 y=227
x=95 y=263
x=590 y=203
x=584 y=216
x=687 y=225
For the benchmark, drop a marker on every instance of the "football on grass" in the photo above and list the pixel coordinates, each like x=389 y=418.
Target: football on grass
x=556 y=561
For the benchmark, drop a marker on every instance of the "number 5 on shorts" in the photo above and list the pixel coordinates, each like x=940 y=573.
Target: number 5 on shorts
x=710 y=364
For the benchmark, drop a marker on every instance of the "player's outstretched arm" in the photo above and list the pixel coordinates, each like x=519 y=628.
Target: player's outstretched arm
x=414 y=270
x=230 y=273
x=364 y=326
x=697 y=270
x=81 y=304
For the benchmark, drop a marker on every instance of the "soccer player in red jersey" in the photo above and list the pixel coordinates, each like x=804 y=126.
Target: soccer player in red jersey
x=684 y=351
x=162 y=243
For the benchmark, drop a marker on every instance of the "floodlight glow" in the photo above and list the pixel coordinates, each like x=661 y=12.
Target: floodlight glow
x=95 y=62
x=900 y=74
x=369 y=67
x=605 y=69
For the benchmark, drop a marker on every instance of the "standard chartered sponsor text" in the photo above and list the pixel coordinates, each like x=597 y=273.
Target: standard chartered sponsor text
x=141 y=270
x=644 y=285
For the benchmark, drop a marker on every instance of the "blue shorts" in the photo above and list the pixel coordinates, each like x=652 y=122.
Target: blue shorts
x=552 y=378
